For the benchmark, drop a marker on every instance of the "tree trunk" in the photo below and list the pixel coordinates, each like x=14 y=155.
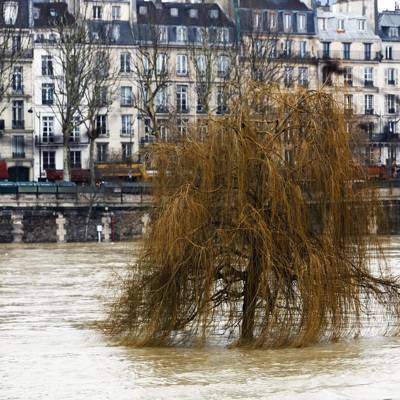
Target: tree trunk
x=66 y=160
x=91 y=163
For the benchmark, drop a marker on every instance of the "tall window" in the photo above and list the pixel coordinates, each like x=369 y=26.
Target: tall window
x=301 y=22
x=47 y=65
x=163 y=34
x=201 y=65
x=223 y=66
x=49 y=160
x=161 y=64
x=346 y=51
x=257 y=20
x=391 y=103
x=126 y=124
x=288 y=76
x=16 y=43
x=389 y=53
x=222 y=107
x=116 y=12
x=48 y=129
x=97 y=12
x=17 y=85
x=47 y=93
x=182 y=98
x=181 y=34
x=340 y=24
x=102 y=152
x=125 y=62
x=126 y=96
x=393 y=32
x=303 y=48
x=368 y=76
x=348 y=76
x=181 y=64
x=18 y=146
x=303 y=76
x=361 y=25
x=101 y=125
x=391 y=76
x=272 y=21
x=369 y=103
x=287 y=22
x=288 y=48
x=18 y=114
x=182 y=125
x=75 y=159
x=348 y=102
x=367 y=51
x=126 y=151
x=326 y=49
x=223 y=35
x=76 y=132
x=162 y=100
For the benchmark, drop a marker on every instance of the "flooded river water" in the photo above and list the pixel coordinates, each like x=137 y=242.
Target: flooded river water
x=49 y=294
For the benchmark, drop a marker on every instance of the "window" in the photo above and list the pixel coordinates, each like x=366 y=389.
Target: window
x=301 y=22
x=200 y=35
x=125 y=62
x=126 y=151
x=126 y=124
x=181 y=64
x=163 y=34
x=389 y=53
x=48 y=129
x=348 y=102
x=10 y=12
x=17 y=85
x=174 y=12
x=201 y=98
x=201 y=65
x=223 y=35
x=161 y=64
x=272 y=20
x=47 y=93
x=303 y=49
x=18 y=146
x=391 y=76
x=288 y=48
x=222 y=107
x=75 y=159
x=97 y=12
x=49 y=160
x=101 y=125
x=214 y=14
x=116 y=13
x=163 y=129
x=257 y=20
x=288 y=76
x=361 y=25
x=287 y=22
x=181 y=34
x=326 y=49
x=222 y=66
x=47 y=65
x=182 y=98
x=346 y=51
x=162 y=100
x=142 y=10
x=392 y=126
x=102 y=152
x=16 y=44
x=322 y=24
x=368 y=77
x=348 y=76
x=391 y=104
x=18 y=114
x=193 y=13
x=303 y=76
x=181 y=125
x=369 y=104
x=393 y=32
x=340 y=24
x=126 y=96
x=76 y=132
x=327 y=76
x=367 y=51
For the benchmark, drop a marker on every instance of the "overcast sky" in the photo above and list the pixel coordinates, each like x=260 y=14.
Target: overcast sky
x=386 y=4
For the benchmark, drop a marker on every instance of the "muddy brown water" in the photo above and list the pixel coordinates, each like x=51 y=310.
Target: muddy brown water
x=49 y=294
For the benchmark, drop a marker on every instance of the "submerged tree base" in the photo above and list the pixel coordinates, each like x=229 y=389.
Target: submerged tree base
x=259 y=229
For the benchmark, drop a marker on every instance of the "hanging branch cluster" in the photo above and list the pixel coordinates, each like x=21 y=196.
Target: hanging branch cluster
x=257 y=230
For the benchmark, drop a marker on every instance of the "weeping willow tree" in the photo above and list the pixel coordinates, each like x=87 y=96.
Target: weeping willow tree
x=258 y=230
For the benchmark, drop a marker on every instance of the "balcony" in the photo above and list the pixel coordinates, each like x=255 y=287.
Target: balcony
x=368 y=84
x=182 y=109
x=102 y=132
x=369 y=111
x=17 y=90
x=18 y=154
x=354 y=55
x=52 y=140
x=126 y=132
x=128 y=102
x=18 y=124
x=162 y=109
x=391 y=110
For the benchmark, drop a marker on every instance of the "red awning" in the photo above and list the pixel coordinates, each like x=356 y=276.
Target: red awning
x=3 y=170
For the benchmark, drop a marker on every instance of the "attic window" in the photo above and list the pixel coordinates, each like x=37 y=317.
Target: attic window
x=116 y=33
x=193 y=13
x=36 y=13
x=214 y=14
x=174 y=12
x=53 y=12
x=142 y=10
x=10 y=11
x=393 y=31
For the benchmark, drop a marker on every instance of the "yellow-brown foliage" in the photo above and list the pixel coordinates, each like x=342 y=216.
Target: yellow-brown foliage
x=258 y=229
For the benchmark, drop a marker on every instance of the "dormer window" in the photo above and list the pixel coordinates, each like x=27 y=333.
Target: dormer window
x=163 y=34
x=214 y=14
x=36 y=13
x=116 y=33
x=287 y=22
x=193 y=13
x=322 y=24
x=361 y=25
x=53 y=12
x=10 y=12
x=97 y=12
x=393 y=31
x=174 y=12
x=142 y=10
x=257 y=20
x=181 y=34
x=272 y=20
x=301 y=22
x=340 y=24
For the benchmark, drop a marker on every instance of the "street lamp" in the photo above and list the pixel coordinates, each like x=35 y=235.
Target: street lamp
x=38 y=141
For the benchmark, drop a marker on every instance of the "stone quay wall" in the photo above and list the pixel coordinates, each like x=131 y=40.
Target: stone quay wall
x=41 y=219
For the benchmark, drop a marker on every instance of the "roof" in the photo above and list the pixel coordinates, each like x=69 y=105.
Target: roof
x=118 y=32
x=22 y=20
x=292 y=5
x=160 y=14
x=389 y=19
x=48 y=14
